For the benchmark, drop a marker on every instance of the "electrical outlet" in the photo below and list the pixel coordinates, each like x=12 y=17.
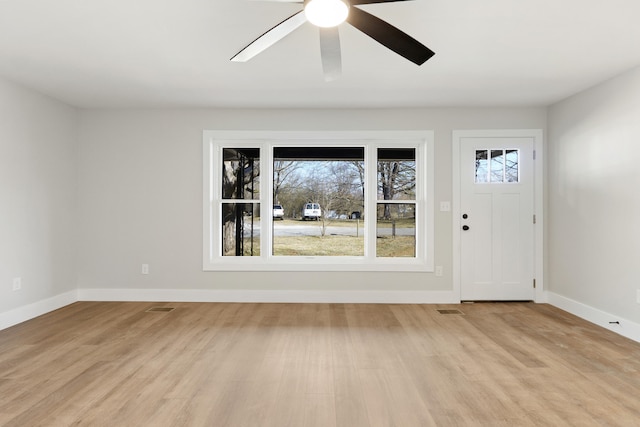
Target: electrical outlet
x=17 y=283
x=439 y=271
x=445 y=206
x=145 y=268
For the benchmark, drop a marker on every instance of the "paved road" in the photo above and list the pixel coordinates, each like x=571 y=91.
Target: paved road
x=314 y=229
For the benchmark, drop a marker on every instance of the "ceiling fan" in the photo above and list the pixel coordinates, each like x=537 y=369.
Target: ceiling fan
x=327 y=15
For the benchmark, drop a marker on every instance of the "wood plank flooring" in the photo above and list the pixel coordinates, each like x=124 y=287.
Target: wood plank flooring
x=206 y=364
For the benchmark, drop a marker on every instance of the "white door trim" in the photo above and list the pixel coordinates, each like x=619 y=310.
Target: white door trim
x=538 y=207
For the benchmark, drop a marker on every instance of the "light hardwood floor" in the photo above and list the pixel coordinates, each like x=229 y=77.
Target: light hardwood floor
x=504 y=364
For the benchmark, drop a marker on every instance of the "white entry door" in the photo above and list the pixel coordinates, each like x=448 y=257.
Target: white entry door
x=496 y=218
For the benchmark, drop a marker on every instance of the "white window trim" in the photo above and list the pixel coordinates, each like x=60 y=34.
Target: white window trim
x=424 y=142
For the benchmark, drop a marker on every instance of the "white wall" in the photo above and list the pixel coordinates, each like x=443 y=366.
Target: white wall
x=38 y=209
x=594 y=197
x=130 y=192
x=141 y=193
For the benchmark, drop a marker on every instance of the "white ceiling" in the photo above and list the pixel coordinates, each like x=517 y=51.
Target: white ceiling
x=175 y=53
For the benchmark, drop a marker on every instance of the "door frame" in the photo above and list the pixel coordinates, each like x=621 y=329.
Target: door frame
x=538 y=199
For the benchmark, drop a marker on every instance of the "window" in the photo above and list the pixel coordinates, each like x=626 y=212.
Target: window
x=396 y=202
x=240 y=188
x=318 y=201
x=321 y=187
x=497 y=166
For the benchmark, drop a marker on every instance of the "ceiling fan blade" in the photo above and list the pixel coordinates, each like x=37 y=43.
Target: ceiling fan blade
x=389 y=36
x=356 y=2
x=270 y=37
x=330 y=53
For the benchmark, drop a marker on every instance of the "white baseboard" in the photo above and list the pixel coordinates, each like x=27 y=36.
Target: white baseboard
x=624 y=327
x=272 y=296
x=38 y=308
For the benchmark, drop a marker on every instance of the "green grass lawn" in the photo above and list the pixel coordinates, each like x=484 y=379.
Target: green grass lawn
x=401 y=246
x=332 y=245
x=318 y=246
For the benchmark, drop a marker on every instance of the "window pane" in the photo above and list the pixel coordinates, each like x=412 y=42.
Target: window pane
x=396 y=173
x=241 y=229
x=240 y=173
x=321 y=191
x=511 y=166
x=396 y=230
x=482 y=166
x=497 y=165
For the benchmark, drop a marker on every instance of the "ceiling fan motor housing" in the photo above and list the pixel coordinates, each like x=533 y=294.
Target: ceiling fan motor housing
x=326 y=13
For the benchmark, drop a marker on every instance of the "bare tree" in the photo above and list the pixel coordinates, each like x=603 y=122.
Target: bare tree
x=359 y=167
x=396 y=178
x=229 y=190
x=283 y=171
x=336 y=186
x=240 y=174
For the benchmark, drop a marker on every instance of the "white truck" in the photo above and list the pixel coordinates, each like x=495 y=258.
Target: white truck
x=311 y=211
x=278 y=212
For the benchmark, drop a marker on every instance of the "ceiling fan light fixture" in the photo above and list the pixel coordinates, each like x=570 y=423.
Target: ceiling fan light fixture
x=326 y=13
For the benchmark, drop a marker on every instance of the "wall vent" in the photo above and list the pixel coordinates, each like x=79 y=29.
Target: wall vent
x=450 y=312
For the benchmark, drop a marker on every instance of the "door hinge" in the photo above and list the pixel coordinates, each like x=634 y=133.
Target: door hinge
x=534 y=154
x=534 y=283
x=534 y=219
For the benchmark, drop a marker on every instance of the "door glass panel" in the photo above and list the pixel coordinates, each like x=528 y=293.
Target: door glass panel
x=396 y=230
x=482 y=166
x=497 y=165
x=241 y=229
x=511 y=166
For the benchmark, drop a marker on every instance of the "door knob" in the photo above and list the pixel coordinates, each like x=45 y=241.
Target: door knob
x=465 y=216
x=465 y=227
